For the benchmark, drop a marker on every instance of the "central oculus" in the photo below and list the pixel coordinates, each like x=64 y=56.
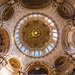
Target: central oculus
x=36 y=33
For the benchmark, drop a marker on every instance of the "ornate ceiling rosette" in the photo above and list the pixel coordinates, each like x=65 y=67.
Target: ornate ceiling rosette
x=36 y=35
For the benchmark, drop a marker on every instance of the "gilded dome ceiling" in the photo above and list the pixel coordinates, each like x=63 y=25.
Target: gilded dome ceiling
x=36 y=34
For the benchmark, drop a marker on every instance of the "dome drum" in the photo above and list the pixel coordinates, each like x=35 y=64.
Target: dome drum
x=36 y=35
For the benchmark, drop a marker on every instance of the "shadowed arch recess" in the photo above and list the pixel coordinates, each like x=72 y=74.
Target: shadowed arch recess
x=4 y=41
